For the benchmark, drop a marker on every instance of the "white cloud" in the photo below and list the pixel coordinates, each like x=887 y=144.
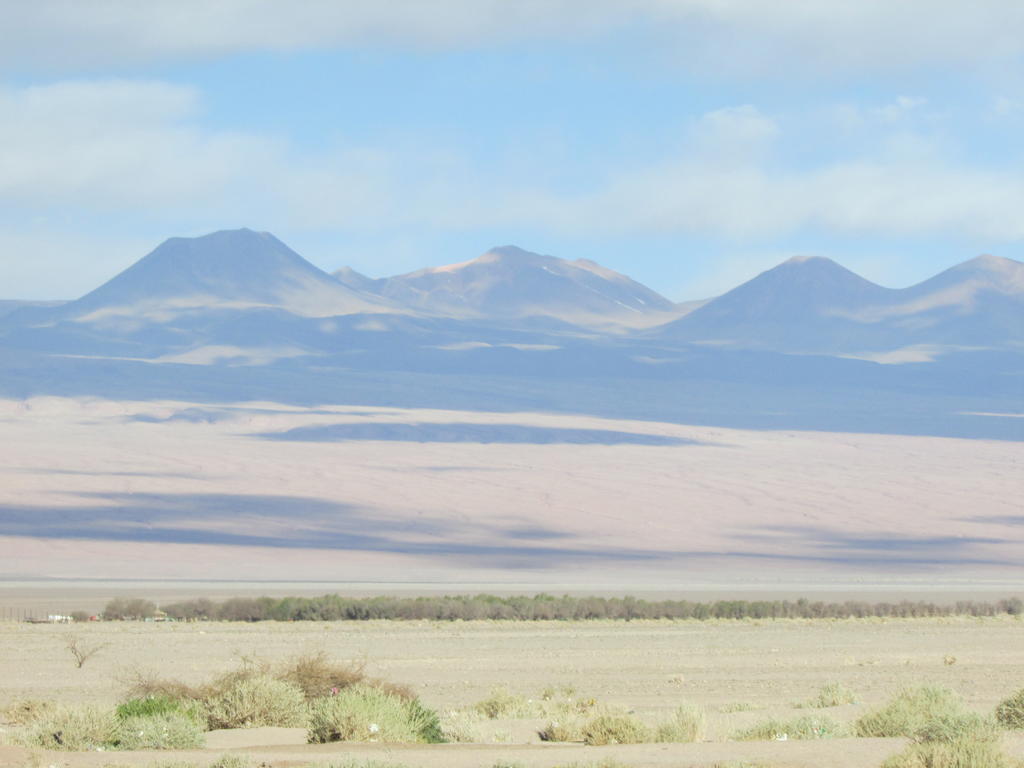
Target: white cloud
x=733 y=133
x=859 y=197
x=113 y=144
x=810 y=37
x=137 y=149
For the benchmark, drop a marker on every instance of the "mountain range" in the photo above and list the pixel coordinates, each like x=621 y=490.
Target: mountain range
x=487 y=330
x=508 y=282
x=812 y=304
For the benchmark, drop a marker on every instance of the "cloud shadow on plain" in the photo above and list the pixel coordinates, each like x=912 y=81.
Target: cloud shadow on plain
x=456 y=432
x=290 y=522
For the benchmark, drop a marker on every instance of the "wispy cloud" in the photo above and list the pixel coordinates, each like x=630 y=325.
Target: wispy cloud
x=741 y=37
x=138 y=146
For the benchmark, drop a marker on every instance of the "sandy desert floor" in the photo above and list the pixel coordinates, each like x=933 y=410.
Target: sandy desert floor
x=135 y=490
x=650 y=667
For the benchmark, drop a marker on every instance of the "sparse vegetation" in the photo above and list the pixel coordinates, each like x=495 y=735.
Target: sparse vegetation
x=688 y=723
x=129 y=608
x=73 y=729
x=255 y=701
x=165 y=730
x=812 y=727
x=461 y=726
x=1010 y=711
x=944 y=733
x=316 y=675
x=27 y=711
x=540 y=607
x=830 y=695
x=231 y=761
x=153 y=706
x=502 y=703
x=366 y=713
x=614 y=729
x=910 y=711
x=964 y=753
x=80 y=651
x=738 y=706
x=562 y=731
x=224 y=761
x=141 y=685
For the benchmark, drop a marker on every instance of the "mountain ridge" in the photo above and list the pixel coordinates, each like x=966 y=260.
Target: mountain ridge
x=510 y=282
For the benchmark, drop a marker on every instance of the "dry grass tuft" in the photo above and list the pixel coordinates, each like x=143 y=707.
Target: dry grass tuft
x=502 y=703
x=143 y=685
x=962 y=753
x=461 y=726
x=252 y=702
x=166 y=730
x=1010 y=711
x=365 y=713
x=73 y=729
x=813 y=727
x=738 y=706
x=615 y=729
x=688 y=723
x=316 y=675
x=911 y=710
x=27 y=711
x=830 y=695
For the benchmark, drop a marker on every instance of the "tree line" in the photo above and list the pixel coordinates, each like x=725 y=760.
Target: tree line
x=542 y=607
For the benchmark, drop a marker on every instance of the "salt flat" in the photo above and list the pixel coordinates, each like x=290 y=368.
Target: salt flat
x=261 y=491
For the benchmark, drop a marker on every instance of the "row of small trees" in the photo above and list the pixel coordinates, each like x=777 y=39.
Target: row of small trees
x=536 y=608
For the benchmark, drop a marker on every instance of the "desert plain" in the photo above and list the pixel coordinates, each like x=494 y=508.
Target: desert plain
x=171 y=500
x=763 y=668
x=137 y=490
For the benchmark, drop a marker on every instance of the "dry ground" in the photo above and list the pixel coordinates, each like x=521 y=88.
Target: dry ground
x=648 y=666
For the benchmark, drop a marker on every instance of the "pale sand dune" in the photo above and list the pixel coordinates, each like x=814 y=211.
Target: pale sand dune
x=101 y=489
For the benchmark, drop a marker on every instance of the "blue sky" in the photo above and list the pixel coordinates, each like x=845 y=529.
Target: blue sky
x=688 y=143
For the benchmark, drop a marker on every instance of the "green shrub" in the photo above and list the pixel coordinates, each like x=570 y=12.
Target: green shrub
x=910 y=711
x=166 y=730
x=429 y=721
x=832 y=695
x=614 y=729
x=688 y=724
x=812 y=727
x=75 y=729
x=962 y=753
x=152 y=706
x=365 y=713
x=1010 y=712
x=252 y=702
